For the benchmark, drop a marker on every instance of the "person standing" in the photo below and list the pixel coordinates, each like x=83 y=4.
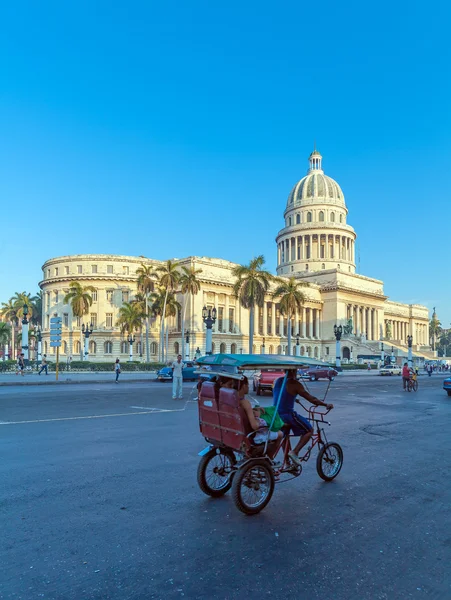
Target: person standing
x=117 y=368
x=177 y=378
x=405 y=376
x=44 y=366
x=20 y=364
x=68 y=362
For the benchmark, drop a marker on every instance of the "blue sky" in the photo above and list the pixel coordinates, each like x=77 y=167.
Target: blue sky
x=178 y=128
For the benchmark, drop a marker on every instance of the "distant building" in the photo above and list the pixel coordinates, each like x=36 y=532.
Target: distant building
x=316 y=245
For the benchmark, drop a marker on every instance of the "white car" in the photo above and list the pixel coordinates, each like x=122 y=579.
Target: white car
x=390 y=370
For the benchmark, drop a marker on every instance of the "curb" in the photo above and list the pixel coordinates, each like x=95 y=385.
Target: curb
x=70 y=382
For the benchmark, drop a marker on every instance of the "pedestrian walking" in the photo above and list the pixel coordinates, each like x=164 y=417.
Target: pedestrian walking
x=68 y=363
x=117 y=368
x=20 y=364
x=405 y=376
x=177 y=378
x=44 y=366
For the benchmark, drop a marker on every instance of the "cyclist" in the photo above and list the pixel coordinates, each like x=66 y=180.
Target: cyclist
x=405 y=376
x=300 y=426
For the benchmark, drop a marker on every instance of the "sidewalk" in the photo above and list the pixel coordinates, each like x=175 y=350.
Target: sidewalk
x=69 y=377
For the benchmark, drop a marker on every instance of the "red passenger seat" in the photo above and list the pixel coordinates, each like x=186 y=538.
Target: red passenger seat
x=234 y=422
x=208 y=412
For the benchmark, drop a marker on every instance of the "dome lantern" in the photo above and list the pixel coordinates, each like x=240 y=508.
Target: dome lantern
x=315 y=160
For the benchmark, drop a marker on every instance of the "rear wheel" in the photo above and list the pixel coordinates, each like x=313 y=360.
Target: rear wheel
x=259 y=392
x=409 y=386
x=253 y=486
x=312 y=378
x=213 y=472
x=329 y=461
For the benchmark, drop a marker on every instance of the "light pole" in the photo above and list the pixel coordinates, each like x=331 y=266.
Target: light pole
x=86 y=331
x=298 y=347
x=392 y=355
x=409 y=350
x=209 y=318
x=131 y=341
x=187 y=345
x=39 y=343
x=351 y=357
x=337 y=332
x=382 y=354
x=198 y=353
x=25 y=326
x=263 y=346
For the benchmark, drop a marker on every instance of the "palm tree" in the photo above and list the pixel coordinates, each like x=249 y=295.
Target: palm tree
x=250 y=287
x=9 y=312
x=146 y=278
x=172 y=306
x=19 y=300
x=130 y=317
x=169 y=277
x=80 y=300
x=5 y=334
x=189 y=286
x=435 y=329
x=37 y=309
x=291 y=299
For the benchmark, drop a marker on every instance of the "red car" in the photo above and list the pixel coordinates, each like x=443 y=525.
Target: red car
x=319 y=372
x=264 y=381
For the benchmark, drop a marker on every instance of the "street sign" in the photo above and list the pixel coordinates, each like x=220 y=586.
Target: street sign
x=55 y=331
x=55 y=344
x=55 y=338
x=55 y=319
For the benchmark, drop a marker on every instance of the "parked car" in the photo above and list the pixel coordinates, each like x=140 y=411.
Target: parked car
x=318 y=372
x=165 y=374
x=390 y=370
x=447 y=385
x=264 y=380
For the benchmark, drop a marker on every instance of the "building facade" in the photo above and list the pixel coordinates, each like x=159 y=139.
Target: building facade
x=315 y=245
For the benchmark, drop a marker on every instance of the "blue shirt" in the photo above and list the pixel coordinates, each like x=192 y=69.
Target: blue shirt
x=287 y=401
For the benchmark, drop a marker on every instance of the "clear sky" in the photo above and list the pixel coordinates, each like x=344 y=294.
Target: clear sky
x=167 y=129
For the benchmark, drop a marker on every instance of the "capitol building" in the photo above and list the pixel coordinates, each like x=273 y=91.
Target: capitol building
x=316 y=245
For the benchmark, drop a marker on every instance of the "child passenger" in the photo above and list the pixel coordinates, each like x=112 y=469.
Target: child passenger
x=254 y=416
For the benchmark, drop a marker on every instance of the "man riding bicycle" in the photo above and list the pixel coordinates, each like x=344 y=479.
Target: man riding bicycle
x=300 y=426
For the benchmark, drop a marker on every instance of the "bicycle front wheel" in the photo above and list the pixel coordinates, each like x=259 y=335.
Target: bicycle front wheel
x=415 y=386
x=329 y=461
x=409 y=386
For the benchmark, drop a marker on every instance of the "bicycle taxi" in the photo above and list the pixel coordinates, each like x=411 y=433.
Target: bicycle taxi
x=232 y=459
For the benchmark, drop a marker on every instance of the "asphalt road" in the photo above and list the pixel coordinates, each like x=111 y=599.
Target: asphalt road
x=99 y=500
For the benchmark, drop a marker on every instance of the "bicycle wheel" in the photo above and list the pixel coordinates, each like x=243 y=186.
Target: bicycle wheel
x=415 y=386
x=253 y=487
x=214 y=472
x=329 y=461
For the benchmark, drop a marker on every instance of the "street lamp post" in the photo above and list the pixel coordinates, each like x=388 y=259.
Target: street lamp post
x=351 y=356
x=131 y=341
x=198 y=353
x=187 y=345
x=298 y=347
x=86 y=331
x=392 y=355
x=409 y=350
x=337 y=332
x=25 y=325
x=39 y=343
x=209 y=318
x=263 y=346
x=382 y=354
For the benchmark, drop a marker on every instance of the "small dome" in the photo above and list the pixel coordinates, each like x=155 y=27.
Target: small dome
x=316 y=185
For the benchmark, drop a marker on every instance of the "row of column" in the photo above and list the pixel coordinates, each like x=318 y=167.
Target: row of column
x=364 y=320
x=306 y=322
x=319 y=246
x=401 y=329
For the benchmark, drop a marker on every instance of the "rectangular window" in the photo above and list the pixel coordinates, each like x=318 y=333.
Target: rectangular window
x=94 y=319
x=125 y=296
x=269 y=320
x=66 y=320
x=93 y=268
x=48 y=272
x=109 y=269
x=109 y=320
x=327 y=350
x=231 y=319
x=220 y=318
x=47 y=321
x=56 y=271
x=109 y=295
x=56 y=297
x=79 y=269
x=94 y=296
x=277 y=320
x=260 y=319
x=66 y=270
x=125 y=270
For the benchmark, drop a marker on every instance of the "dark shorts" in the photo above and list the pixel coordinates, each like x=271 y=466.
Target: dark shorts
x=299 y=425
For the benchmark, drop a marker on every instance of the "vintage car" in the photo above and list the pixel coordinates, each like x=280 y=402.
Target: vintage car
x=390 y=370
x=165 y=374
x=318 y=372
x=264 y=380
x=447 y=385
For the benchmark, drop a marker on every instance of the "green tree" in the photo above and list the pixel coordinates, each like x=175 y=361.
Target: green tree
x=291 y=299
x=146 y=282
x=251 y=285
x=130 y=317
x=37 y=309
x=20 y=299
x=189 y=286
x=5 y=335
x=9 y=313
x=168 y=280
x=434 y=329
x=80 y=300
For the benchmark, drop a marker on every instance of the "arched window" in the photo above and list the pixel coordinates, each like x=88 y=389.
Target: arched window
x=332 y=217
x=346 y=352
x=289 y=221
x=302 y=350
x=341 y=218
x=279 y=349
x=124 y=347
x=233 y=349
x=309 y=351
x=139 y=348
x=77 y=347
x=254 y=349
x=64 y=347
x=108 y=347
x=323 y=266
x=262 y=349
x=213 y=348
x=316 y=352
x=176 y=348
x=298 y=219
x=309 y=217
x=294 y=351
x=153 y=348
x=321 y=215
x=92 y=347
x=222 y=348
x=271 y=349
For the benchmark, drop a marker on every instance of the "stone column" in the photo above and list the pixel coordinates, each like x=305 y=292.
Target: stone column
x=226 y=316
x=303 y=332
x=319 y=328
x=280 y=325
x=265 y=318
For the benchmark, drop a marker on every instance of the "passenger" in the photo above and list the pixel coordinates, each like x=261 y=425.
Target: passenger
x=256 y=422
x=300 y=426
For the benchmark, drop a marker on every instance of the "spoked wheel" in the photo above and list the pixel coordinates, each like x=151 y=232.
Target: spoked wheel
x=329 y=461
x=214 y=472
x=253 y=486
x=415 y=386
x=409 y=386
